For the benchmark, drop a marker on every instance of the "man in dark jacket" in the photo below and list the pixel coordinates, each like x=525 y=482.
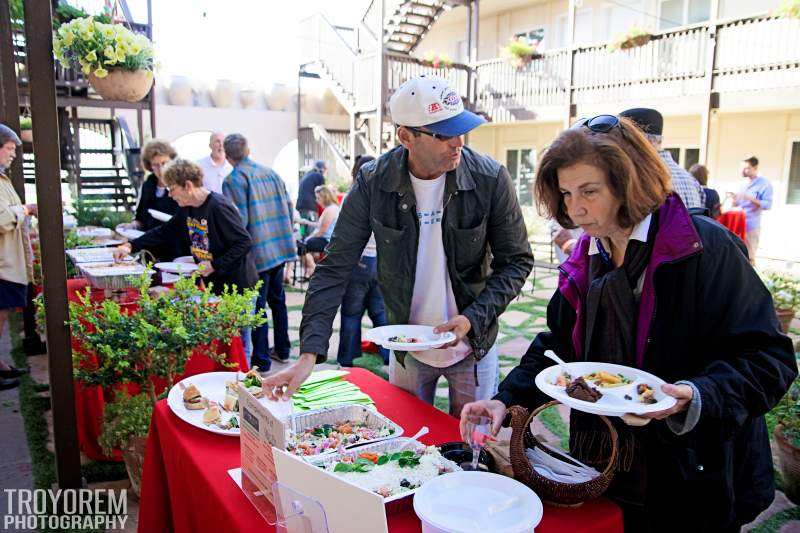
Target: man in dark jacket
x=306 y=201
x=452 y=247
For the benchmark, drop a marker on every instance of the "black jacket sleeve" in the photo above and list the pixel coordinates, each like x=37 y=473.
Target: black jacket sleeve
x=519 y=388
x=166 y=235
x=512 y=260
x=145 y=195
x=757 y=363
x=330 y=278
x=229 y=230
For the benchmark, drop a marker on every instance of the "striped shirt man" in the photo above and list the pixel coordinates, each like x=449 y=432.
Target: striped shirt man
x=266 y=210
x=686 y=185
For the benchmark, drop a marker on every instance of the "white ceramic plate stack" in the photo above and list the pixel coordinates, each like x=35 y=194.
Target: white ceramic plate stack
x=477 y=502
x=425 y=338
x=94 y=232
x=613 y=402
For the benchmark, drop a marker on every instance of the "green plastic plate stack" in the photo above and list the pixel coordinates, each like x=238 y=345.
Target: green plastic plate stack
x=326 y=388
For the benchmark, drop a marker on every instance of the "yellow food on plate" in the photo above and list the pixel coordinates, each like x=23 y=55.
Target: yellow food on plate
x=607 y=379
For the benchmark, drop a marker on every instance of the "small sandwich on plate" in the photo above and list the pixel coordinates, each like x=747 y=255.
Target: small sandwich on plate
x=231 y=401
x=252 y=382
x=192 y=399
x=212 y=415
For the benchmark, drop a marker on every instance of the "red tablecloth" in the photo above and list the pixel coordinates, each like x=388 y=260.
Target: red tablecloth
x=186 y=486
x=90 y=401
x=735 y=221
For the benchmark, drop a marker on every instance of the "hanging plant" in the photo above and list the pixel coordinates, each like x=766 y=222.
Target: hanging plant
x=117 y=62
x=632 y=38
x=437 y=60
x=520 y=51
x=26 y=129
x=789 y=9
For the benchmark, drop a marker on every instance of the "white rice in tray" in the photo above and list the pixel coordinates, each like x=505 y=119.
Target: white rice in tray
x=391 y=479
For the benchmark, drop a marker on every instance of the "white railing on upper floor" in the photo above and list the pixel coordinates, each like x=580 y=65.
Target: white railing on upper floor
x=321 y=43
x=401 y=67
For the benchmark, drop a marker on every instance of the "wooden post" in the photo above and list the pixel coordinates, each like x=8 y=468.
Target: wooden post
x=382 y=85
x=152 y=96
x=39 y=41
x=571 y=107
x=9 y=97
x=712 y=98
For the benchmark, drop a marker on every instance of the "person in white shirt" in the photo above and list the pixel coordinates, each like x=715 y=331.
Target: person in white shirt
x=452 y=249
x=215 y=167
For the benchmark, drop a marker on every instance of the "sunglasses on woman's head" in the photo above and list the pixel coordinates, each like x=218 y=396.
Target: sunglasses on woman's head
x=598 y=124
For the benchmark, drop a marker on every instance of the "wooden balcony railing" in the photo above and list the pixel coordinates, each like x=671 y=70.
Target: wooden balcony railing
x=401 y=67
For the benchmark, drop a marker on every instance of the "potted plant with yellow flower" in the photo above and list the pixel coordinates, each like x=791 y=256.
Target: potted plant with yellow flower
x=633 y=38
x=117 y=62
x=520 y=51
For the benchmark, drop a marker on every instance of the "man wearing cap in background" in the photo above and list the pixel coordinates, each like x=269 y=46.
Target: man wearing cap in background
x=306 y=201
x=452 y=248
x=688 y=188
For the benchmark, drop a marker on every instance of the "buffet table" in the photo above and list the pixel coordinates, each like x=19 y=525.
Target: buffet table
x=186 y=486
x=735 y=221
x=90 y=401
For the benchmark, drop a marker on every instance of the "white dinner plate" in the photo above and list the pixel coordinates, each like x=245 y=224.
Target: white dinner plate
x=159 y=215
x=129 y=233
x=478 y=502
x=176 y=268
x=613 y=402
x=424 y=337
x=93 y=232
x=212 y=387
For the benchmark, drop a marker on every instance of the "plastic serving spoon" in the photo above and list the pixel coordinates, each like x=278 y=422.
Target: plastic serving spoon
x=422 y=431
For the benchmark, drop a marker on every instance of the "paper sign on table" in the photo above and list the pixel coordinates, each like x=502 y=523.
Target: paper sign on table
x=259 y=431
x=338 y=498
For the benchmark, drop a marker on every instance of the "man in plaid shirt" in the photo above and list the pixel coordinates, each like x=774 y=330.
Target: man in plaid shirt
x=266 y=210
x=688 y=188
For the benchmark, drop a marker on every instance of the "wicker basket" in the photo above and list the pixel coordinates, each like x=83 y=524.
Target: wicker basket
x=554 y=492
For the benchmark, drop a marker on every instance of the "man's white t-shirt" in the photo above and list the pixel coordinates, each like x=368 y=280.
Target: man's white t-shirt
x=213 y=174
x=433 y=302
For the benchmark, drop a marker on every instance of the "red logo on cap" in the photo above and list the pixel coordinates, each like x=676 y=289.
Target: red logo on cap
x=434 y=107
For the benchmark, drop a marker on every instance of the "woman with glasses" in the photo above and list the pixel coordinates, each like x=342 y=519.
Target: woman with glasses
x=317 y=241
x=652 y=287
x=156 y=156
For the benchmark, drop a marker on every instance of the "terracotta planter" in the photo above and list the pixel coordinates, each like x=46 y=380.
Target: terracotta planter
x=280 y=98
x=133 y=456
x=789 y=465
x=248 y=98
x=639 y=40
x=123 y=85
x=223 y=93
x=785 y=317
x=26 y=136
x=180 y=92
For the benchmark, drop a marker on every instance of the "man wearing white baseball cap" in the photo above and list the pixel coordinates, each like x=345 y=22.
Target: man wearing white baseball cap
x=452 y=248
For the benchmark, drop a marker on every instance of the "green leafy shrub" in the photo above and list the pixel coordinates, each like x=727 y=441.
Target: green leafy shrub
x=123 y=419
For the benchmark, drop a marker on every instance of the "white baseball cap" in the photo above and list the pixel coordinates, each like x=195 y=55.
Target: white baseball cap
x=429 y=101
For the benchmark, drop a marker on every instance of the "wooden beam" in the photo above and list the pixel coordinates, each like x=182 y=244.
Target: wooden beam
x=39 y=40
x=9 y=96
x=573 y=50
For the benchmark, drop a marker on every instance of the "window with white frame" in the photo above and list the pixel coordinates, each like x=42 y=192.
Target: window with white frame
x=793 y=193
x=620 y=15
x=584 y=33
x=684 y=156
x=536 y=35
x=521 y=165
x=674 y=13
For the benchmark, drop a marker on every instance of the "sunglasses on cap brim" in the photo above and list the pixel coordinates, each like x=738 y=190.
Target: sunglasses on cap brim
x=437 y=136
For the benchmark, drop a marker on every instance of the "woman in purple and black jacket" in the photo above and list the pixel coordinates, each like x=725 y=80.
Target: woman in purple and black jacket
x=650 y=286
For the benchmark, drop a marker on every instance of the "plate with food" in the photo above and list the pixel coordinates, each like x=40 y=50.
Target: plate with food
x=408 y=338
x=174 y=267
x=211 y=401
x=604 y=388
x=128 y=232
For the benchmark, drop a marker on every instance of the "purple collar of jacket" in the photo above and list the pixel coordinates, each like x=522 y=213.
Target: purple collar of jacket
x=676 y=239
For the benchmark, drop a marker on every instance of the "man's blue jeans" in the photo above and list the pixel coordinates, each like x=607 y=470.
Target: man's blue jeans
x=271 y=293
x=362 y=294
